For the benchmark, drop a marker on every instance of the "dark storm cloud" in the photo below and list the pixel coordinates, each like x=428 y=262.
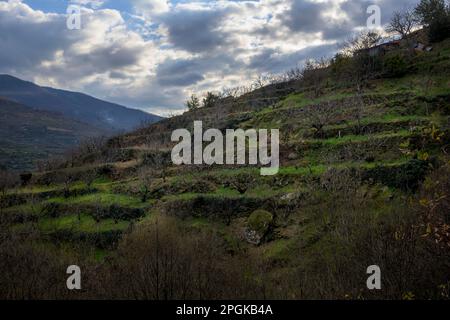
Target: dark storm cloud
x=357 y=9
x=273 y=61
x=117 y=75
x=196 y=30
x=25 y=43
x=27 y=40
x=179 y=73
x=185 y=72
x=305 y=16
x=113 y=56
x=308 y=17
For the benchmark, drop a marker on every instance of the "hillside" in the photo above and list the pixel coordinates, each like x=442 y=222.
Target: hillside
x=98 y=113
x=27 y=135
x=363 y=180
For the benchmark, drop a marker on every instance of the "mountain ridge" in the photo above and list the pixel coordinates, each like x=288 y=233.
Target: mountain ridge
x=77 y=105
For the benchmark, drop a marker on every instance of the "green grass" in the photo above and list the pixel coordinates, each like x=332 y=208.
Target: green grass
x=100 y=254
x=385 y=119
x=360 y=138
x=229 y=172
x=85 y=224
x=278 y=250
x=102 y=199
x=24 y=208
x=415 y=84
x=36 y=189
x=199 y=223
x=262 y=190
x=212 y=196
x=312 y=170
x=320 y=169
x=298 y=100
x=227 y=192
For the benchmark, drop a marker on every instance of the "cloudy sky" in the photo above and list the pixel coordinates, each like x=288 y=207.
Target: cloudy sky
x=152 y=54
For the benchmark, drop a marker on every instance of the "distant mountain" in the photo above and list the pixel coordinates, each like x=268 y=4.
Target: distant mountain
x=79 y=106
x=27 y=135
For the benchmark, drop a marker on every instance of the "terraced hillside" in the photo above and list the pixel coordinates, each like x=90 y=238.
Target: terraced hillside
x=28 y=135
x=350 y=193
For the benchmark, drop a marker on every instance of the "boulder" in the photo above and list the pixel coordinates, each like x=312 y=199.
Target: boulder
x=259 y=224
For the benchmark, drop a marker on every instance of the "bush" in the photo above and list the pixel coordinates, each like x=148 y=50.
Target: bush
x=260 y=221
x=406 y=177
x=435 y=14
x=434 y=209
x=214 y=207
x=395 y=65
x=107 y=240
x=159 y=261
x=25 y=178
x=105 y=170
x=440 y=30
x=210 y=100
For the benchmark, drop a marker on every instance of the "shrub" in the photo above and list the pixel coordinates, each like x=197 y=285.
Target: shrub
x=440 y=30
x=25 y=178
x=105 y=170
x=395 y=65
x=435 y=210
x=406 y=177
x=193 y=103
x=260 y=221
x=214 y=207
x=159 y=261
x=241 y=182
x=259 y=225
x=210 y=100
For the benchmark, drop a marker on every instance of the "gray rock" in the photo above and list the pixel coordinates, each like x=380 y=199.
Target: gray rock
x=252 y=237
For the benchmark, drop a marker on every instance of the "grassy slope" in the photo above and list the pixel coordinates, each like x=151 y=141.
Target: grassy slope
x=398 y=113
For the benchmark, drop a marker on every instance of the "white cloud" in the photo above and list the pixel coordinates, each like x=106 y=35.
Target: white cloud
x=150 y=8
x=156 y=56
x=95 y=4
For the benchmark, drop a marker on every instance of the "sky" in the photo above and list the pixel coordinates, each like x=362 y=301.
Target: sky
x=153 y=54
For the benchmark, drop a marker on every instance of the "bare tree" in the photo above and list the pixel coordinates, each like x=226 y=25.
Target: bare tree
x=145 y=181
x=260 y=82
x=314 y=75
x=364 y=64
x=294 y=74
x=242 y=182
x=89 y=177
x=67 y=183
x=7 y=181
x=360 y=43
x=318 y=116
x=403 y=23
